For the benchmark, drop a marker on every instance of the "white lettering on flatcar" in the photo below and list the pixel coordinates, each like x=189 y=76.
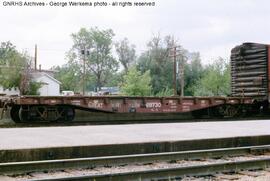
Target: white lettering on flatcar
x=188 y=103
x=95 y=104
x=118 y=105
x=153 y=104
x=76 y=102
x=53 y=101
x=186 y=108
x=203 y=103
x=135 y=105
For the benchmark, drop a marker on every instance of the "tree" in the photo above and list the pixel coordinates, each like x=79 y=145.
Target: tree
x=115 y=79
x=27 y=86
x=99 y=61
x=193 y=73
x=69 y=75
x=136 y=83
x=165 y=92
x=156 y=59
x=14 y=68
x=7 y=52
x=126 y=53
x=215 y=80
x=33 y=88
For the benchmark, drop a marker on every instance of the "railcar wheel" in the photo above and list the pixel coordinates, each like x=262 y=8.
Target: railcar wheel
x=14 y=113
x=69 y=114
x=217 y=112
x=232 y=111
x=265 y=107
x=55 y=113
x=26 y=114
x=41 y=113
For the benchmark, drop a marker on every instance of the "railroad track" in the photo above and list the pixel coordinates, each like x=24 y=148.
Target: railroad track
x=173 y=173
x=207 y=162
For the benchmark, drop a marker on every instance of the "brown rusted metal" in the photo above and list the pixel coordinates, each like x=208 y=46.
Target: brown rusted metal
x=138 y=104
x=268 y=72
x=250 y=71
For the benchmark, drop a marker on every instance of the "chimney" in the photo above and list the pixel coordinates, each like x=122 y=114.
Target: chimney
x=35 y=57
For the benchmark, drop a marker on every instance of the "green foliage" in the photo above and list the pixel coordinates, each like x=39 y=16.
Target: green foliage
x=12 y=65
x=101 y=66
x=115 y=79
x=156 y=60
x=126 y=53
x=193 y=73
x=153 y=74
x=215 y=80
x=33 y=88
x=7 y=53
x=136 y=83
x=165 y=92
x=99 y=62
x=69 y=76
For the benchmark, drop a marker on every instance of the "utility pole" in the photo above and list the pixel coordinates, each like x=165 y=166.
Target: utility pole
x=35 y=58
x=84 y=72
x=175 y=52
x=181 y=73
x=174 y=72
x=83 y=52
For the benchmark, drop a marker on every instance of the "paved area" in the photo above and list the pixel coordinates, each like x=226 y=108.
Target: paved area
x=17 y=138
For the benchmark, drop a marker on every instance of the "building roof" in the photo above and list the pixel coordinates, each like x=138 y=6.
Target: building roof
x=40 y=74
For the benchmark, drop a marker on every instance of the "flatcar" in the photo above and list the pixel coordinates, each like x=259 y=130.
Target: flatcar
x=250 y=75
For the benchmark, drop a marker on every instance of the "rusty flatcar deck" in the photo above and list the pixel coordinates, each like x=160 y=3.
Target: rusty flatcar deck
x=28 y=108
x=55 y=108
x=132 y=104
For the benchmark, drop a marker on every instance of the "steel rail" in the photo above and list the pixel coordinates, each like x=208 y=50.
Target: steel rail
x=46 y=165
x=173 y=173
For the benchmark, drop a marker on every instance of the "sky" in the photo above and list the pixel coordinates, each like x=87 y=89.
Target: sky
x=211 y=27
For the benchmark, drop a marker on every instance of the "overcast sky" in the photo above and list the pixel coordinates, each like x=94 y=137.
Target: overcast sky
x=211 y=27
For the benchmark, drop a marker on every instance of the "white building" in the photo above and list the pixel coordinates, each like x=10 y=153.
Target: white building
x=50 y=86
x=12 y=91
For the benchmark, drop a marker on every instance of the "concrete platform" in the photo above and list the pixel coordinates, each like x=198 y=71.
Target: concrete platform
x=21 y=138
x=79 y=141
